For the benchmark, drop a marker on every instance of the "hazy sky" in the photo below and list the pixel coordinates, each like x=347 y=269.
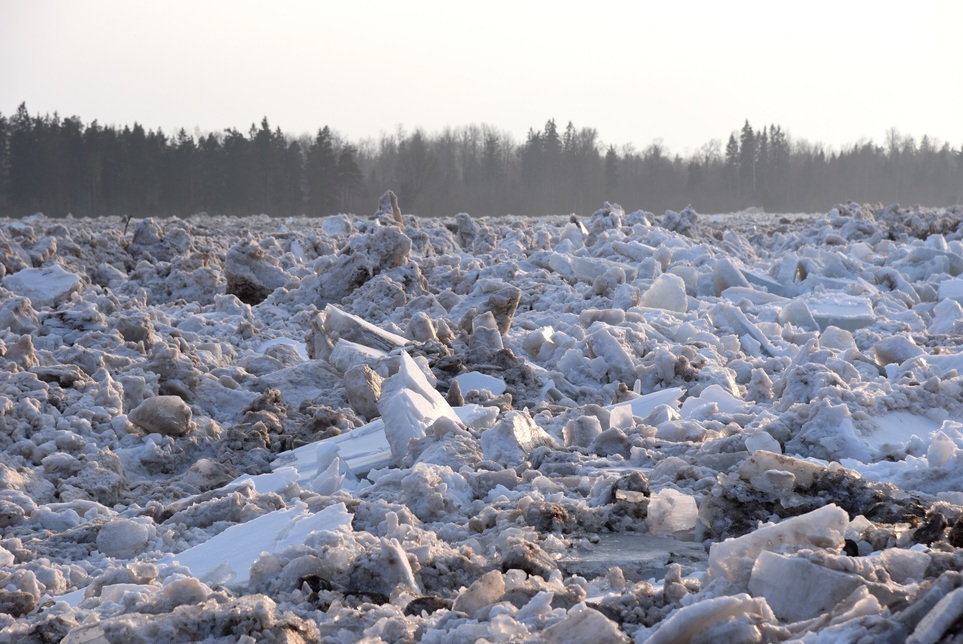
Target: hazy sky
x=683 y=72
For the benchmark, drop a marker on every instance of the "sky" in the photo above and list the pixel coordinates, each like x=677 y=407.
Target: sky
x=680 y=73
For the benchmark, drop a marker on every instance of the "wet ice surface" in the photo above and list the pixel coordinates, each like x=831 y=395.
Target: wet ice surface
x=615 y=428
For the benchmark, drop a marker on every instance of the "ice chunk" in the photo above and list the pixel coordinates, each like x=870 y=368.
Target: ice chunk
x=362 y=388
x=797 y=313
x=581 y=431
x=690 y=621
x=643 y=405
x=740 y=293
x=361 y=449
x=896 y=350
x=477 y=380
x=938 y=621
x=787 y=270
x=941 y=450
x=683 y=222
x=667 y=292
x=672 y=514
x=762 y=461
x=946 y=317
x=612 y=356
x=951 y=289
x=47 y=286
x=502 y=304
x=337 y=324
x=484 y=591
x=843 y=311
x=280 y=481
x=408 y=405
x=513 y=438
x=364 y=257
x=347 y=355
x=18 y=315
x=251 y=274
x=904 y=565
x=798 y=589
x=822 y=528
x=395 y=567
x=766 y=282
x=726 y=316
x=590 y=268
x=477 y=417
x=715 y=394
x=832 y=337
x=298 y=346
x=726 y=275
x=485 y=338
x=621 y=417
x=123 y=538
x=584 y=624
x=762 y=441
x=165 y=415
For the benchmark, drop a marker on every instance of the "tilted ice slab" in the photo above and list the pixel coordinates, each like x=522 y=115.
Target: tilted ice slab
x=408 y=405
x=361 y=450
x=341 y=324
x=476 y=380
x=227 y=557
x=822 y=528
x=914 y=453
x=896 y=429
x=643 y=405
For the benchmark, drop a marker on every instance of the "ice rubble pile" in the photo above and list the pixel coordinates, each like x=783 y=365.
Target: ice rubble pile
x=613 y=428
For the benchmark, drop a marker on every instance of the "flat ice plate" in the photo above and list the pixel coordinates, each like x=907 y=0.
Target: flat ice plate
x=640 y=556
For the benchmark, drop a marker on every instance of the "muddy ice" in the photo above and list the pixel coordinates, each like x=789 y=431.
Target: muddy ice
x=610 y=428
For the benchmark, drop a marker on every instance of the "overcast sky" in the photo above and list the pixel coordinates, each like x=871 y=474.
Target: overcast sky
x=684 y=72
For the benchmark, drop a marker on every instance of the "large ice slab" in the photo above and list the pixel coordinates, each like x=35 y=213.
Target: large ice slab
x=339 y=324
x=847 y=312
x=362 y=450
x=643 y=405
x=408 y=405
x=477 y=380
x=822 y=528
x=798 y=589
x=227 y=557
x=47 y=286
x=726 y=316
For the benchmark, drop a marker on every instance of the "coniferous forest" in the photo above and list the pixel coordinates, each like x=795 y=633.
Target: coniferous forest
x=61 y=165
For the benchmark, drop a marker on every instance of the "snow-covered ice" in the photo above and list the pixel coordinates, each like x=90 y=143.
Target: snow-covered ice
x=617 y=427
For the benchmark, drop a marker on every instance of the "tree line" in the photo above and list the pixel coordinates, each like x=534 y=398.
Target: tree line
x=62 y=165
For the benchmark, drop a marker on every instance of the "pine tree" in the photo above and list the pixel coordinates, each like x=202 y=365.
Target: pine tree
x=747 y=160
x=568 y=139
x=531 y=158
x=416 y=166
x=551 y=144
x=322 y=171
x=762 y=167
x=350 y=178
x=24 y=164
x=4 y=159
x=611 y=168
x=491 y=158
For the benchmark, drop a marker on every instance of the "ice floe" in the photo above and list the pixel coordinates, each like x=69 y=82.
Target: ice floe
x=610 y=428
